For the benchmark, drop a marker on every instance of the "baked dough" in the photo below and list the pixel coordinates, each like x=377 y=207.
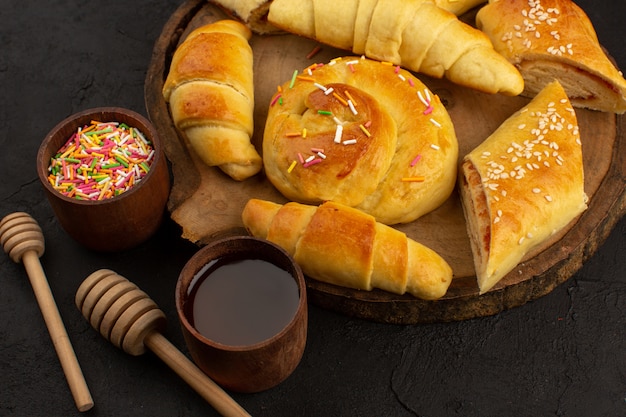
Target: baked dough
x=343 y=246
x=554 y=39
x=362 y=133
x=458 y=7
x=415 y=34
x=210 y=92
x=524 y=183
x=253 y=13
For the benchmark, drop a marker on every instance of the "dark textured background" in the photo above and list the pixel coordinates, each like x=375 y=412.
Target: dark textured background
x=561 y=355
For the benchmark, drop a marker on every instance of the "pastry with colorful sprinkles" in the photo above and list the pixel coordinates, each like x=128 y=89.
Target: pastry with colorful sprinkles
x=523 y=184
x=363 y=133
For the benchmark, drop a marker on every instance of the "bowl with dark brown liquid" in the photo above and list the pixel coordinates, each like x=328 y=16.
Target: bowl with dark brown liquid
x=242 y=306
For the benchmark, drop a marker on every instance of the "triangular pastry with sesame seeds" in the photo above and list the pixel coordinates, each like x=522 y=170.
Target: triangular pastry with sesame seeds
x=554 y=39
x=415 y=34
x=523 y=184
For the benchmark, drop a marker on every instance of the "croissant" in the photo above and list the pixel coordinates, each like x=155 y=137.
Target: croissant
x=340 y=245
x=458 y=7
x=254 y=12
x=211 y=96
x=522 y=184
x=554 y=39
x=251 y=12
x=415 y=34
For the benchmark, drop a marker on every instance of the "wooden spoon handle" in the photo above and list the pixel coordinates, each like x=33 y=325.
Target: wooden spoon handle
x=58 y=334
x=197 y=379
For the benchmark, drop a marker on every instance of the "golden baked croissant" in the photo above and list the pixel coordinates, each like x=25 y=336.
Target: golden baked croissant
x=522 y=184
x=416 y=34
x=251 y=12
x=254 y=12
x=458 y=7
x=554 y=39
x=364 y=134
x=211 y=96
x=340 y=245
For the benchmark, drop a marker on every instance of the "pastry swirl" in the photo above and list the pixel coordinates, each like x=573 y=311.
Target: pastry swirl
x=362 y=133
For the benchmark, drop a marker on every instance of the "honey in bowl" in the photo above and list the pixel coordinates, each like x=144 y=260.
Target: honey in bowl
x=241 y=302
x=242 y=305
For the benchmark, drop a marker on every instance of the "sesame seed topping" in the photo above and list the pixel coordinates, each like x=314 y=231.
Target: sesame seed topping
x=532 y=153
x=537 y=21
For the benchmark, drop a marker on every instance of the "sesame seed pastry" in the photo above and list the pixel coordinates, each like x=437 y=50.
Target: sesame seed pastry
x=415 y=34
x=362 y=133
x=554 y=39
x=210 y=92
x=523 y=184
x=343 y=246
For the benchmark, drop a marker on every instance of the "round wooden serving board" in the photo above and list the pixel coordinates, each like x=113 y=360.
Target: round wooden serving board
x=208 y=204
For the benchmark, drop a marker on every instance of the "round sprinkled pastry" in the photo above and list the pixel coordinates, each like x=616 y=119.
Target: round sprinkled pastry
x=363 y=133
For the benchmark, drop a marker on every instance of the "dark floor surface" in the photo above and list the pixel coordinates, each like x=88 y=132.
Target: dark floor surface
x=561 y=355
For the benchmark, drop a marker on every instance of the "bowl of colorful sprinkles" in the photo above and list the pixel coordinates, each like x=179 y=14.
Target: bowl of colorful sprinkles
x=106 y=177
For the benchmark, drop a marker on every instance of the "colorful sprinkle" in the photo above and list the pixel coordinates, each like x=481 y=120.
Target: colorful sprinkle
x=338 y=133
x=313 y=52
x=436 y=123
x=312 y=162
x=352 y=108
x=293 y=79
x=350 y=98
x=340 y=99
x=416 y=160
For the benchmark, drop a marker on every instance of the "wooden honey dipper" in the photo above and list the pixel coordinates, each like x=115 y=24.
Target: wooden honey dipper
x=22 y=239
x=127 y=317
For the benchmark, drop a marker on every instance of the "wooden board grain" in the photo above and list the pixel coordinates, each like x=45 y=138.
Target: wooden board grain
x=208 y=204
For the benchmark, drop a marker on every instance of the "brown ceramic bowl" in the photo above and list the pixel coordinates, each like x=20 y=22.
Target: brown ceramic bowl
x=243 y=367
x=116 y=223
